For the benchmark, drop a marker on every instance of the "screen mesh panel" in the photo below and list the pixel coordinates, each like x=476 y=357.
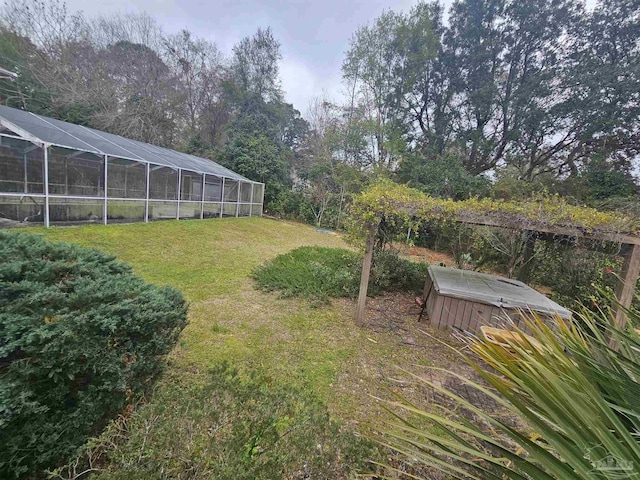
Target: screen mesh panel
x=21 y=166
x=163 y=183
x=23 y=210
x=76 y=173
x=126 y=178
x=213 y=189
x=191 y=186
x=83 y=138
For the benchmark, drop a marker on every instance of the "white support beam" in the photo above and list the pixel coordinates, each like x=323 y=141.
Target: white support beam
x=179 y=186
x=239 y=183
x=25 y=179
x=146 y=201
x=104 y=208
x=46 y=186
x=222 y=199
x=251 y=207
x=21 y=132
x=204 y=182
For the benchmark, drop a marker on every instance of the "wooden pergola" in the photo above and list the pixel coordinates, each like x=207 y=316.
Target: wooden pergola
x=629 y=246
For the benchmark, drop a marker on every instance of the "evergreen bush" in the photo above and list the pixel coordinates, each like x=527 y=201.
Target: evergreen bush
x=318 y=273
x=81 y=337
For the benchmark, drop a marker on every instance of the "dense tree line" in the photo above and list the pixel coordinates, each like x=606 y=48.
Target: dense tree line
x=493 y=97
x=542 y=87
x=123 y=74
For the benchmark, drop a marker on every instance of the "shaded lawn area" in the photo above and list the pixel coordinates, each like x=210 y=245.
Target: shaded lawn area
x=291 y=340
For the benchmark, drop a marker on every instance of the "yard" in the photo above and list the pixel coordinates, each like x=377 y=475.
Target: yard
x=264 y=385
x=318 y=348
x=293 y=341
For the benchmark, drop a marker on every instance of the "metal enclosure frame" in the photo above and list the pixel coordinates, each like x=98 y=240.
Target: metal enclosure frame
x=184 y=207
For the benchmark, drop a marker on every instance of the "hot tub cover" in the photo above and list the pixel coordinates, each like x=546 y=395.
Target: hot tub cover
x=492 y=290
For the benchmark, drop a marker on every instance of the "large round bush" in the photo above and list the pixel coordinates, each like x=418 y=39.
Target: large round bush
x=80 y=338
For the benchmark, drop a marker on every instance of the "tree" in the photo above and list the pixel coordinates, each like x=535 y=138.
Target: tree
x=542 y=87
x=373 y=63
x=255 y=147
x=143 y=98
x=605 y=79
x=25 y=91
x=255 y=65
x=198 y=67
x=508 y=64
x=441 y=176
x=425 y=87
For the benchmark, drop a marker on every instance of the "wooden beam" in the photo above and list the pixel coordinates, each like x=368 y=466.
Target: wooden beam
x=623 y=238
x=627 y=282
x=364 y=278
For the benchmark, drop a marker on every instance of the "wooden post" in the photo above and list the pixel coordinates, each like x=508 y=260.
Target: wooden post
x=627 y=282
x=364 y=278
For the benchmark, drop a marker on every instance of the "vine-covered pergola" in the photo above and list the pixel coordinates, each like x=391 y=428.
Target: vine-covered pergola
x=545 y=217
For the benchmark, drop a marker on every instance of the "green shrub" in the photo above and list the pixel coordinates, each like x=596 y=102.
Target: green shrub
x=574 y=395
x=312 y=272
x=319 y=273
x=80 y=338
x=577 y=277
x=391 y=273
x=234 y=426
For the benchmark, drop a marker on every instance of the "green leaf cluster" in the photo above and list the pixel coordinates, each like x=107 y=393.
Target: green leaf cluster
x=81 y=337
x=407 y=207
x=575 y=393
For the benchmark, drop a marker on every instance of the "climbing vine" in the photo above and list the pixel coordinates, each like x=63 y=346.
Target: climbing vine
x=403 y=207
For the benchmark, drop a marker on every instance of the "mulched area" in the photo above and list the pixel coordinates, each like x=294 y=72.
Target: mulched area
x=422 y=357
x=437 y=353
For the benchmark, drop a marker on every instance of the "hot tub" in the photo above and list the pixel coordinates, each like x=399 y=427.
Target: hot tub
x=466 y=300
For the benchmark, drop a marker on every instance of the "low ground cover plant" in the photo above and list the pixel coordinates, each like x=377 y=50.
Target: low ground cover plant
x=228 y=424
x=319 y=273
x=81 y=338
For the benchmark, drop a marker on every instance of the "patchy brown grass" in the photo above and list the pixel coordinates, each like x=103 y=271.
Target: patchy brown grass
x=317 y=348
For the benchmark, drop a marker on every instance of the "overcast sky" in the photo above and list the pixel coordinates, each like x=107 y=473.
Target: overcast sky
x=314 y=34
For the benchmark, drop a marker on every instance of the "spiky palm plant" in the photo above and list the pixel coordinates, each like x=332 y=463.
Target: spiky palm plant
x=578 y=399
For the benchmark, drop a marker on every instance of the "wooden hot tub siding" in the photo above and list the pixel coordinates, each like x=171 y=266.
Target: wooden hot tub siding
x=444 y=311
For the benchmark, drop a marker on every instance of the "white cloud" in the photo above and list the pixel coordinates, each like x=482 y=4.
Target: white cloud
x=301 y=85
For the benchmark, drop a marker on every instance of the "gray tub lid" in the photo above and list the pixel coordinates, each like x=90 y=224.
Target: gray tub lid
x=493 y=290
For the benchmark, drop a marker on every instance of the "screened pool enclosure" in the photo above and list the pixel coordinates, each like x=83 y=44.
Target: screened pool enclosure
x=58 y=173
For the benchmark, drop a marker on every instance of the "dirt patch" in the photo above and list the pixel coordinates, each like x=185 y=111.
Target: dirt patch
x=421 y=254
x=415 y=351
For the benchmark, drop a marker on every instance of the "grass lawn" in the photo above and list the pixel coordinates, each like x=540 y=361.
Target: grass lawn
x=211 y=261
x=317 y=348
